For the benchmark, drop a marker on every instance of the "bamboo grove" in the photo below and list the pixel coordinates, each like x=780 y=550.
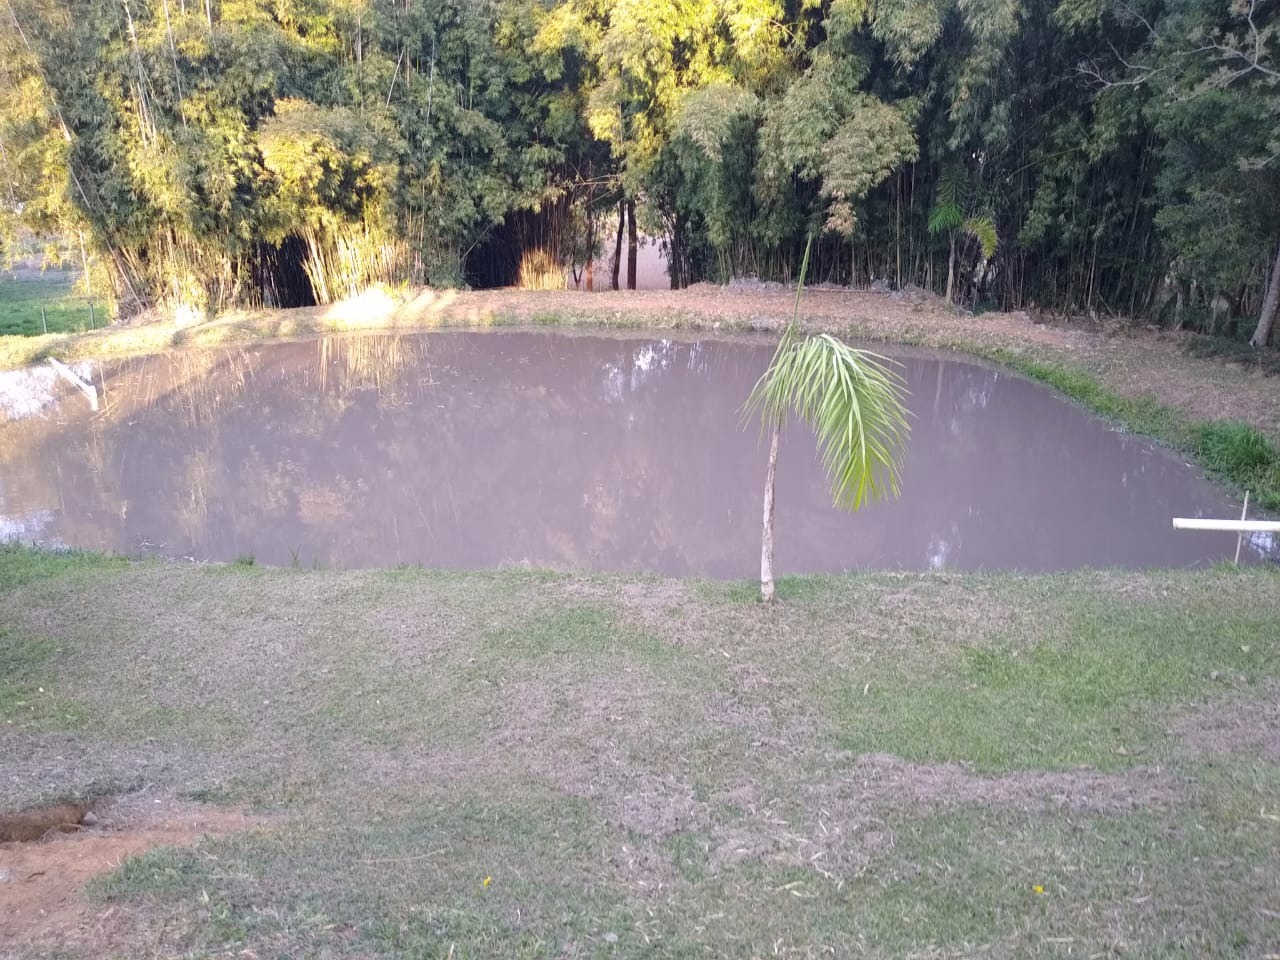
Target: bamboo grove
x=1102 y=156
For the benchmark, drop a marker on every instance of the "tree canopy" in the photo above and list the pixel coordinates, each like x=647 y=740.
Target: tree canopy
x=1100 y=156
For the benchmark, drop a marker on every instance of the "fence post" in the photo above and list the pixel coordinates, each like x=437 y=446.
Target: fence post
x=44 y=322
x=1240 y=536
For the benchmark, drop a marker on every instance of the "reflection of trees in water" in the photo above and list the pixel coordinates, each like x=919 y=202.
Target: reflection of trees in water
x=352 y=363
x=25 y=528
x=34 y=391
x=475 y=449
x=642 y=365
x=201 y=476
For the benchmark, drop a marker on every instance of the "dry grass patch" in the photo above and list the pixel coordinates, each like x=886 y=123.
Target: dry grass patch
x=1244 y=725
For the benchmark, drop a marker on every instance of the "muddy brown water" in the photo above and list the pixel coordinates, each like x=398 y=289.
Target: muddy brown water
x=472 y=450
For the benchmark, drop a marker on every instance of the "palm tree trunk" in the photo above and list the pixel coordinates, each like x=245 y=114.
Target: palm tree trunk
x=766 y=534
x=1270 y=306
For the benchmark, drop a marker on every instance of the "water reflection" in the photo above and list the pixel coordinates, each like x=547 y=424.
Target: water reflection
x=476 y=450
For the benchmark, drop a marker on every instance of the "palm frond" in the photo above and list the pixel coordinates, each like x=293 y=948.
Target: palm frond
x=944 y=218
x=948 y=210
x=983 y=229
x=853 y=402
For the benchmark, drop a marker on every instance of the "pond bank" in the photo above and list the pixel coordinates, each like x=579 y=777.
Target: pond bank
x=527 y=764
x=1144 y=381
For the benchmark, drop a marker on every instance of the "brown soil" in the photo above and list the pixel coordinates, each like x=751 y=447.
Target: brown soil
x=41 y=880
x=36 y=823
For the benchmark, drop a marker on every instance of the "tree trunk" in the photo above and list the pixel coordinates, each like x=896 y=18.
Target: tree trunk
x=591 y=253
x=766 y=533
x=675 y=264
x=951 y=268
x=617 y=244
x=1270 y=305
x=632 y=244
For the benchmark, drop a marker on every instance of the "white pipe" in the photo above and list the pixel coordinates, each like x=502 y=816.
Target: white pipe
x=69 y=375
x=1231 y=526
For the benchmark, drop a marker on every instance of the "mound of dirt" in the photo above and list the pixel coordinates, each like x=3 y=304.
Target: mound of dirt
x=35 y=823
x=48 y=854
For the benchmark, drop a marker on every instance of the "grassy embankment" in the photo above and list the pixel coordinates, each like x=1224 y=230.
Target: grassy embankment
x=66 y=310
x=1244 y=455
x=882 y=765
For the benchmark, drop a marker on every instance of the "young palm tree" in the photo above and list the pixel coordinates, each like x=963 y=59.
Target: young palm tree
x=948 y=216
x=853 y=403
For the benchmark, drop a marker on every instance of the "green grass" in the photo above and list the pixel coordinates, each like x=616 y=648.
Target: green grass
x=29 y=699
x=879 y=765
x=66 y=310
x=20 y=565
x=1242 y=454
x=1139 y=414
x=577 y=631
x=1084 y=690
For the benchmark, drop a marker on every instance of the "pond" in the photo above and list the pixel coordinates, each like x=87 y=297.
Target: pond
x=603 y=453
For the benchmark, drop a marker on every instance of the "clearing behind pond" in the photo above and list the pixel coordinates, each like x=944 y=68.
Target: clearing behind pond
x=518 y=764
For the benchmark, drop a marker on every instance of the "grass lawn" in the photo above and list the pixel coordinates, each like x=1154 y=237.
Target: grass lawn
x=66 y=309
x=520 y=764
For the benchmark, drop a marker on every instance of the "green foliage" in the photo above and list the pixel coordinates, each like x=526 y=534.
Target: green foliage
x=983 y=229
x=1239 y=452
x=852 y=401
x=248 y=153
x=872 y=142
x=949 y=215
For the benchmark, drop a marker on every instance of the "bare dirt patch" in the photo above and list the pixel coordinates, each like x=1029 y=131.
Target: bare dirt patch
x=1242 y=725
x=41 y=880
x=880 y=780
